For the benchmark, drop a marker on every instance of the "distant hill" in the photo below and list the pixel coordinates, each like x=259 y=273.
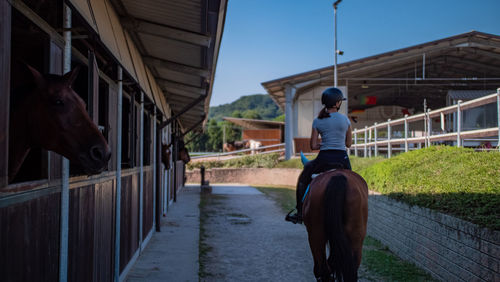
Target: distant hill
x=257 y=106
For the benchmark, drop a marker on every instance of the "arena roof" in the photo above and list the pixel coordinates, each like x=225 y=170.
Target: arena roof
x=469 y=61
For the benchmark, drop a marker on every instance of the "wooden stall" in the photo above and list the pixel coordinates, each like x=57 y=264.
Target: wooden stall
x=65 y=221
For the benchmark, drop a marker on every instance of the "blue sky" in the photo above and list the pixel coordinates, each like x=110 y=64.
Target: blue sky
x=268 y=39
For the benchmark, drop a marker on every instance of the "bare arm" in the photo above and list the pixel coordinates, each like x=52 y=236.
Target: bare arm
x=314 y=140
x=348 y=137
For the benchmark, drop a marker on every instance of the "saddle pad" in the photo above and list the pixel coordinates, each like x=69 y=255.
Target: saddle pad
x=314 y=176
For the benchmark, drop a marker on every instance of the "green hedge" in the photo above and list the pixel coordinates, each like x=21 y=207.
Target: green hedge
x=266 y=160
x=452 y=180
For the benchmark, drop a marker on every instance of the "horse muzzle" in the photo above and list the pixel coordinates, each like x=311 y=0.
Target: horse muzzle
x=95 y=159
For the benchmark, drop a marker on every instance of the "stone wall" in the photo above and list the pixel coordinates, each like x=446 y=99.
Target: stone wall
x=449 y=248
x=250 y=176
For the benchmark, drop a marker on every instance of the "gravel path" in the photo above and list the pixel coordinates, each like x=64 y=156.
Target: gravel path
x=244 y=238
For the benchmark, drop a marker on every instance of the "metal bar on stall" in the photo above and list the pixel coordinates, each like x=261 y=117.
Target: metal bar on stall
x=375 y=139
x=154 y=168
x=429 y=127
x=118 y=174
x=64 y=215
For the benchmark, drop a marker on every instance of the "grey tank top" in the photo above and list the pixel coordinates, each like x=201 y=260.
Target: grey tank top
x=332 y=131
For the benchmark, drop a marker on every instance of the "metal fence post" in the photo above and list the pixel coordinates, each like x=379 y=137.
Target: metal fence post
x=425 y=128
x=389 y=147
x=375 y=140
x=459 y=123
x=429 y=127
x=498 y=117
x=406 y=133
x=365 y=153
x=355 y=142
x=370 y=140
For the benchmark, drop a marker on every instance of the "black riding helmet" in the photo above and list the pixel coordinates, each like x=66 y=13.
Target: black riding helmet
x=331 y=96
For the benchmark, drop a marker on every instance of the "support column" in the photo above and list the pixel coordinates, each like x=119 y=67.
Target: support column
x=289 y=94
x=118 y=174
x=155 y=172
x=141 y=173
x=64 y=216
x=375 y=140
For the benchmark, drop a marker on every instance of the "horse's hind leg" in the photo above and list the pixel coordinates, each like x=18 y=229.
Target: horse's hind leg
x=317 y=242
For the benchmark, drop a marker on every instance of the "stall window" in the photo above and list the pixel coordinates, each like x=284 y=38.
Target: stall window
x=29 y=46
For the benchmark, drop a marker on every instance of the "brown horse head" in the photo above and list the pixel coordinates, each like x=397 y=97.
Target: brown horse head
x=183 y=152
x=165 y=155
x=52 y=116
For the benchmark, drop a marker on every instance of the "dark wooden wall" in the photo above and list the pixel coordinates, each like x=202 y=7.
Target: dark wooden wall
x=129 y=219
x=5 y=27
x=148 y=204
x=29 y=240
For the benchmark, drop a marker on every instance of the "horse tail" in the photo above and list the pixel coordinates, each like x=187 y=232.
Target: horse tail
x=340 y=260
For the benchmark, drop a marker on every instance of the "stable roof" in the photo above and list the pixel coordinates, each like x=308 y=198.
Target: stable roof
x=468 y=61
x=169 y=47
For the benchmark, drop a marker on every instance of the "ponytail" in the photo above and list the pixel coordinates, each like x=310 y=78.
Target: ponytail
x=323 y=113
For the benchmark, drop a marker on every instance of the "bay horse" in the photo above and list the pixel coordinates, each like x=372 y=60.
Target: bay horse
x=335 y=212
x=50 y=115
x=183 y=152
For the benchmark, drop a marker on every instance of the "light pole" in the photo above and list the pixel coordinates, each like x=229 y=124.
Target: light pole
x=336 y=51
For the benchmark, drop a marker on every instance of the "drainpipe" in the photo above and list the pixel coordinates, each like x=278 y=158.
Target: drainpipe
x=64 y=216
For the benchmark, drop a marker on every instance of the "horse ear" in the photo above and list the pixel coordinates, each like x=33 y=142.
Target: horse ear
x=71 y=76
x=37 y=77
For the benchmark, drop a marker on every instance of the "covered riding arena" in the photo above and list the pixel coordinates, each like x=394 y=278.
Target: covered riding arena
x=146 y=75
x=390 y=85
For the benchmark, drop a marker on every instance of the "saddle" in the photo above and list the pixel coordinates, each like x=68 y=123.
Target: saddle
x=322 y=169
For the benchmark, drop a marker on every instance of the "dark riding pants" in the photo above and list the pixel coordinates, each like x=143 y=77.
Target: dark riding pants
x=325 y=160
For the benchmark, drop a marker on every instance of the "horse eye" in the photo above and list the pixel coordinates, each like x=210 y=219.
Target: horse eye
x=59 y=102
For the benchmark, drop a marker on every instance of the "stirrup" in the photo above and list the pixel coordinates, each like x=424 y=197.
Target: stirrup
x=294 y=218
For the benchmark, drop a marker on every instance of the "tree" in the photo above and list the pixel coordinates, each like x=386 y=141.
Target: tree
x=251 y=114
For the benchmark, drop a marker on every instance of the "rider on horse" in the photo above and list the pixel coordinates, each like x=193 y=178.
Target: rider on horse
x=336 y=135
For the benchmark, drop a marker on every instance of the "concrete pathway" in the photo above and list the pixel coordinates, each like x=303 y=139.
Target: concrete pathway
x=172 y=254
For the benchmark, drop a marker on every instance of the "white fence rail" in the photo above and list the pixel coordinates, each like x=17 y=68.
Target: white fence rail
x=376 y=144
x=260 y=150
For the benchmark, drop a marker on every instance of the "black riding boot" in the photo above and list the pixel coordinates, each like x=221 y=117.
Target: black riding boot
x=297 y=217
